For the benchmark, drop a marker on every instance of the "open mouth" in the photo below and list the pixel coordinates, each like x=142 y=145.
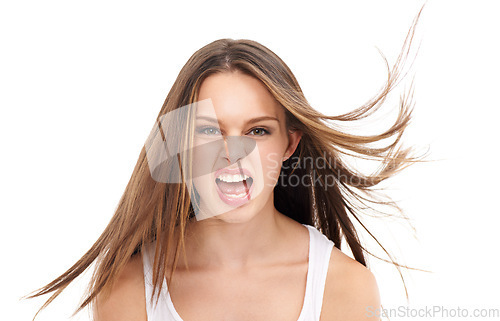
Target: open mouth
x=234 y=186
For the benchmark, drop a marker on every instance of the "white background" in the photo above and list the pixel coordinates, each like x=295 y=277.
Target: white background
x=82 y=82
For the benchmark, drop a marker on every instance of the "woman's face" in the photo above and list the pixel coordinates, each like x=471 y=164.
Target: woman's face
x=240 y=141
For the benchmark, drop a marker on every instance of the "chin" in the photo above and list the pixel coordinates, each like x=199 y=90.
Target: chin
x=241 y=214
x=238 y=215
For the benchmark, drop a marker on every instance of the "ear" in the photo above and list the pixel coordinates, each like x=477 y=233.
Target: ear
x=294 y=136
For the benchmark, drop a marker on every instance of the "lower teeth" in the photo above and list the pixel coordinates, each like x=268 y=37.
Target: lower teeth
x=236 y=195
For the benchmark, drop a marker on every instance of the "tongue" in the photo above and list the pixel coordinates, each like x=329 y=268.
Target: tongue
x=232 y=188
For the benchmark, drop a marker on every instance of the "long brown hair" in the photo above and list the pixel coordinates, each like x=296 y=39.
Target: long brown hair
x=150 y=210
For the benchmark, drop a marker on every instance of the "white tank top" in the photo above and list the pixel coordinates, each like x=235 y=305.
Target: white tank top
x=320 y=248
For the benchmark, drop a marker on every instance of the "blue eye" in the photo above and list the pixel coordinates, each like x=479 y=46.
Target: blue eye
x=206 y=130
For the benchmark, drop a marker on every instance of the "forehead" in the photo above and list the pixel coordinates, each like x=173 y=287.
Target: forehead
x=236 y=95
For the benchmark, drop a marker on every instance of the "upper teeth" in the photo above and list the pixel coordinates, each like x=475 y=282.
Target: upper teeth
x=232 y=178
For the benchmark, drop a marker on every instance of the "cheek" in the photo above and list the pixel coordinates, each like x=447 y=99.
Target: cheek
x=271 y=165
x=205 y=153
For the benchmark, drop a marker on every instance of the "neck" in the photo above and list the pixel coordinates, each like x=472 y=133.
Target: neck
x=218 y=244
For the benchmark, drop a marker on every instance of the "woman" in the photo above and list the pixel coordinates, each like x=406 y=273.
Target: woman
x=239 y=202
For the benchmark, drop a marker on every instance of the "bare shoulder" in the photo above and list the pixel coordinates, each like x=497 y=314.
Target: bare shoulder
x=351 y=291
x=126 y=300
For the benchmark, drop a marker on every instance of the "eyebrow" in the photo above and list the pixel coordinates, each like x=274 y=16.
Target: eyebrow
x=250 y=121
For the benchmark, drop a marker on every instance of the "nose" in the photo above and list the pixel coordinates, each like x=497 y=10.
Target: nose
x=237 y=148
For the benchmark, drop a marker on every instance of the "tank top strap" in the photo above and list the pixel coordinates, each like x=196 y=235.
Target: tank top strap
x=155 y=310
x=321 y=249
